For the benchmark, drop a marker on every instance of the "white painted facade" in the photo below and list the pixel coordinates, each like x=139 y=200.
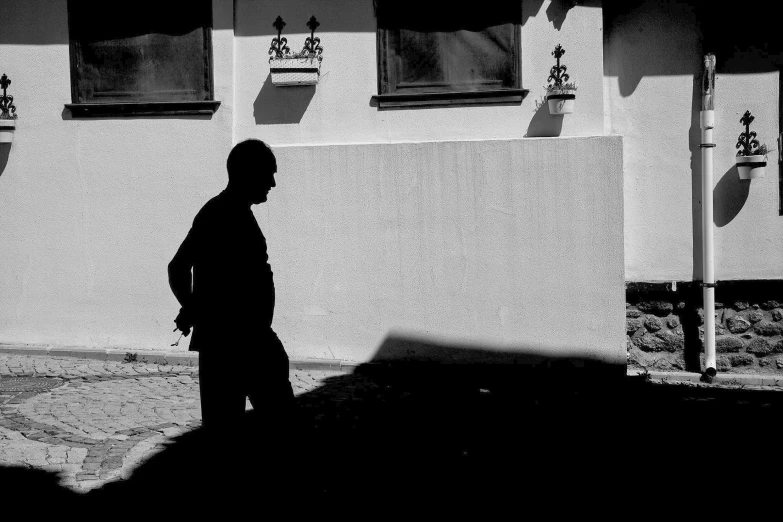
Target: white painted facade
x=652 y=56
x=457 y=225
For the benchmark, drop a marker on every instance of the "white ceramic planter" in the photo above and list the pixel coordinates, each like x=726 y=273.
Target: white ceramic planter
x=7 y=130
x=288 y=72
x=751 y=167
x=561 y=102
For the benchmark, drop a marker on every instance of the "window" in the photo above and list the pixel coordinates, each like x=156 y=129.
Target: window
x=140 y=58
x=437 y=52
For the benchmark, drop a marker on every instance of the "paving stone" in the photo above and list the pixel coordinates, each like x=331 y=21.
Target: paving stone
x=112 y=463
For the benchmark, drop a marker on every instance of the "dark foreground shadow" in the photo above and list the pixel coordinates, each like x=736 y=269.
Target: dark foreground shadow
x=427 y=437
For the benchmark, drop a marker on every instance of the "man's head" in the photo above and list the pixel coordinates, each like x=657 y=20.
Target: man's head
x=251 y=169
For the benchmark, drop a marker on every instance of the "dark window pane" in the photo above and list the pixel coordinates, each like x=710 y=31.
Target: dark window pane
x=437 y=47
x=461 y=60
x=137 y=51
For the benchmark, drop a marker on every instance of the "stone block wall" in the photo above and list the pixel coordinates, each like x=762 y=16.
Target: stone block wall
x=665 y=326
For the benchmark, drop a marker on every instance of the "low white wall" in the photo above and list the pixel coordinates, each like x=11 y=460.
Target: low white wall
x=514 y=245
x=653 y=56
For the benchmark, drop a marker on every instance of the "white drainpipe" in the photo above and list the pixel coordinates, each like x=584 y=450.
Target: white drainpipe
x=707 y=120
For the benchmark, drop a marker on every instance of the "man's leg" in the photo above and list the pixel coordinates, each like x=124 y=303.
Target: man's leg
x=272 y=397
x=269 y=388
x=222 y=412
x=222 y=396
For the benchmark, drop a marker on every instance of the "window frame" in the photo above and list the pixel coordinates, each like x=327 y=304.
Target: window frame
x=390 y=100
x=84 y=109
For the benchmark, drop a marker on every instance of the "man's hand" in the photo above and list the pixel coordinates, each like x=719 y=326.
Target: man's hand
x=184 y=321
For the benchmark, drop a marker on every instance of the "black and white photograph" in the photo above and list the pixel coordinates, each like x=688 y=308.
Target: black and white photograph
x=390 y=259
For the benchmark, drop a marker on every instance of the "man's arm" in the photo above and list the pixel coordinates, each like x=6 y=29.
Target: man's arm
x=181 y=282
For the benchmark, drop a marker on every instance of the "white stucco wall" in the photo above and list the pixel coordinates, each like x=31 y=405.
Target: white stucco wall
x=443 y=224
x=338 y=109
x=653 y=54
x=92 y=210
x=513 y=245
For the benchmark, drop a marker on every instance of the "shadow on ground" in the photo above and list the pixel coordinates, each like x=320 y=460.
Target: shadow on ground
x=555 y=435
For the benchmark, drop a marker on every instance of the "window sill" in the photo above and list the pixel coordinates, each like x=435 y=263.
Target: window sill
x=182 y=108
x=451 y=98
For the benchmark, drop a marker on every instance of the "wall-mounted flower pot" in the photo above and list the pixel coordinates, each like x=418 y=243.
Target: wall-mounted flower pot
x=7 y=130
x=561 y=102
x=751 y=167
x=288 y=72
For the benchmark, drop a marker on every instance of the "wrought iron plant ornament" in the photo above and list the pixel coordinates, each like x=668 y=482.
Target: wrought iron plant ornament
x=747 y=140
x=557 y=74
x=312 y=44
x=7 y=108
x=279 y=45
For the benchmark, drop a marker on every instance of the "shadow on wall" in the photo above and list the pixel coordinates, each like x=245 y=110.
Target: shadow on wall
x=281 y=104
x=694 y=140
x=256 y=18
x=34 y=22
x=729 y=196
x=652 y=38
x=557 y=10
x=488 y=365
x=544 y=124
x=5 y=150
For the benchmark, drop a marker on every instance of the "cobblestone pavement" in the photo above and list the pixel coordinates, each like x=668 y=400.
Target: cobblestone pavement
x=94 y=422
x=126 y=435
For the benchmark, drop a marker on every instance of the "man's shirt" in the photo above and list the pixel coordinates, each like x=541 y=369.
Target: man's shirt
x=233 y=289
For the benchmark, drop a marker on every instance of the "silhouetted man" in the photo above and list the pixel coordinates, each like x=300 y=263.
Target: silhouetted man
x=230 y=300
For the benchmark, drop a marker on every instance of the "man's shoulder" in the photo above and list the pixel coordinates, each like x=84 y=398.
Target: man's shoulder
x=214 y=209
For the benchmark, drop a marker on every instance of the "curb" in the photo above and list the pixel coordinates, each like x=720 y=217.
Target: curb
x=159 y=357
x=336 y=365
x=739 y=379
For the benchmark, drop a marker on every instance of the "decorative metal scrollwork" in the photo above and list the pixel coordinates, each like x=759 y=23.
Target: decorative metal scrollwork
x=279 y=45
x=312 y=44
x=557 y=74
x=7 y=108
x=747 y=140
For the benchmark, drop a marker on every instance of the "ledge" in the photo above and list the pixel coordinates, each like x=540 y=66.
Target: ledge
x=721 y=379
x=180 y=108
x=434 y=99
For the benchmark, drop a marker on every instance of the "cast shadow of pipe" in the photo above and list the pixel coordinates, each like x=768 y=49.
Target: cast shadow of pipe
x=281 y=104
x=5 y=150
x=544 y=124
x=729 y=197
x=694 y=140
